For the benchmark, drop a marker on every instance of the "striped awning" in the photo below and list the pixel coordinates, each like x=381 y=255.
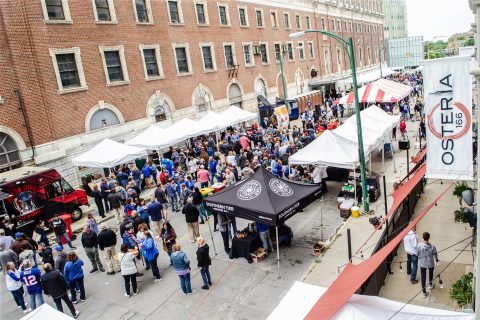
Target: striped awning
x=380 y=91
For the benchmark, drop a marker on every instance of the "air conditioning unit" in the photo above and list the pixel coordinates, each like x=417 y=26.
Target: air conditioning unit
x=256 y=50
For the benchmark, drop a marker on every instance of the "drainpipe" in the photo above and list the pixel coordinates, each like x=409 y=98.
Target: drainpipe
x=26 y=122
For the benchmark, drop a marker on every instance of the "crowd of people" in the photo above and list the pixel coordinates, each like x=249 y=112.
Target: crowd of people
x=177 y=178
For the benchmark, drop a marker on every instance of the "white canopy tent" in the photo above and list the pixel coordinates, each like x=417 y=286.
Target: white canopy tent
x=348 y=131
x=372 y=75
x=301 y=298
x=381 y=128
x=234 y=115
x=377 y=114
x=151 y=139
x=45 y=311
x=328 y=150
x=211 y=122
x=108 y=154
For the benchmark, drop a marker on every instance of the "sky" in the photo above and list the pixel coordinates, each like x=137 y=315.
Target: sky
x=438 y=18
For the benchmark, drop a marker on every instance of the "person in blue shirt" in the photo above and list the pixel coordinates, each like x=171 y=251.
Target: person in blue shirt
x=143 y=213
x=264 y=232
x=171 y=189
x=137 y=177
x=73 y=273
x=32 y=277
x=213 y=168
x=147 y=175
x=154 y=210
x=150 y=252
x=190 y=183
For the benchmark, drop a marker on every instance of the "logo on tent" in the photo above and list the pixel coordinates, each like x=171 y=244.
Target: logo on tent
x=280 y=188
x=250 y=190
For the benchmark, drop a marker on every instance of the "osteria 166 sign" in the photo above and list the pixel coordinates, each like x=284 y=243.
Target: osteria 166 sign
x=448 y=112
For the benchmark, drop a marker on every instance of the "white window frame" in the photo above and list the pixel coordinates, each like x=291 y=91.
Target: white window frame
x=268 y=53
x=149 y=13
x=293 y=51
x=252 y=57
x=78 y=61
x=205 y=11
x=227 y=11
x=287 y=13
x=180 y=13
x=308 y=22
x=274 y=52
x=312 y=57
x=326 y=59
x=299 y=26
x=339 y=57
x=263 y=18
x=276 y=19
x=111 y=8
x=212 y=52
x=189 y=61
x=66 y=13
x=123 y=61
x=302 y=43
x=246 y=16
x=156 y=47
x=339 y=26
x=232 y=44
x=1 y=100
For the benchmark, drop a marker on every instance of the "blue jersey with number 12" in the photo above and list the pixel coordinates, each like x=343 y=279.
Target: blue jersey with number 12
x=31 y=278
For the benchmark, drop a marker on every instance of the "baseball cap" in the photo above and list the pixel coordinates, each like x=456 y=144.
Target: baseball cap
x=18 y=235
x=58 y=247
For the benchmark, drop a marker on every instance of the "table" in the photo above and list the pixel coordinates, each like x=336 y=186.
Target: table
x=242 y=247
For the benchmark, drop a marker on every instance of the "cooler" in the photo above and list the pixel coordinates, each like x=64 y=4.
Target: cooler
x=345 y=208
x=355 y=212
x=206 y=191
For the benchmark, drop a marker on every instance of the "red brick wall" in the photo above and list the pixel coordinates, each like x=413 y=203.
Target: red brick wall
x=54 y=116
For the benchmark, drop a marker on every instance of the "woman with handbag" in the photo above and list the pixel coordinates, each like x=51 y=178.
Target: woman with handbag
x=204 y=262
x=168 y=237
x=129 y=269
x=181 y=264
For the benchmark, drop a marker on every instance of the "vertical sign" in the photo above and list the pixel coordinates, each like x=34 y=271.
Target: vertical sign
x=448 y=111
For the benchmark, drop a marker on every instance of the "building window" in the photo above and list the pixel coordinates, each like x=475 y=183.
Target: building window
x=235 y=95
x=339 y=60
x=159 y=114
x=208 y=57
x=243 y=17
x=273 y=17
x=201 y=13
x=286 y=20
x=152 y=62
x=223 y=14
x=259 y=18
x=115 y=65
x=278 y=51
x=264 y=53
x=333 y=25
x=311 y=52
x=56 y=11
x=345 y=26
x=182 y=58
x=297 y=22
x=339 y=26
x=143 y=11
x=175 y=12
x=324 y=27
x=229 y=55
x=307 y=19
x=301 y=51
x=291 y=56
x=102 y=9
x=68 y=68
x=326 y=60
x=9 y=155
x=248 y=54
x=103 y=118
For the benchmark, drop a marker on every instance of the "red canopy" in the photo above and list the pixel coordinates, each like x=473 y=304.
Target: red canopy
x=380 y=91
x=353 y=276
x=420 y=155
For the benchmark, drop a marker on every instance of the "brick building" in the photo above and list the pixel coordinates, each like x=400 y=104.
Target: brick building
x=74 y=72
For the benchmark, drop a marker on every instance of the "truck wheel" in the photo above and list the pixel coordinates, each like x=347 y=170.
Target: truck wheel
x=76 y=214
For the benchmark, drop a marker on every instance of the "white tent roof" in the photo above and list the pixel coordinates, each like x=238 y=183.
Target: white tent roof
x=328 y=150
x=372 y=75
x=45 y=311
x=150 y=139
x=381 y=116
x=234 y=115
x=107 y=154
x=301 y=297
x=348 y=131
x=181 y=130
x=211 y=122
x=383 y=129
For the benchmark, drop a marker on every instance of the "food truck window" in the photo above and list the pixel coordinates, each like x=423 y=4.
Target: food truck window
x=67 y=188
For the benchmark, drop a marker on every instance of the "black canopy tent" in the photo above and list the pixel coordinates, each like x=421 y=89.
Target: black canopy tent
x=265 y=198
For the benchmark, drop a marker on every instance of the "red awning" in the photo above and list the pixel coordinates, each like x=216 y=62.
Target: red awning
x=379 y=91
x=420 y=155
x=353 y=276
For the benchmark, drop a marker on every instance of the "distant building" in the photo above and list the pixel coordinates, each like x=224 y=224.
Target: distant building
x=395 y=22
x=404 y=52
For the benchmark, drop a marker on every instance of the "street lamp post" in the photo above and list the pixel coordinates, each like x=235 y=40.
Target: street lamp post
x=280 y=60
x=348 y=46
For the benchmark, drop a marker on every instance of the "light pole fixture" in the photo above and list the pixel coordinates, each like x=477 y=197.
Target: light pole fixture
x=281 y=54
x=348 y=47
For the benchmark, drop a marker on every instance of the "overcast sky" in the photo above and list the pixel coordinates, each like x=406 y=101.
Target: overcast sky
x=432 y=18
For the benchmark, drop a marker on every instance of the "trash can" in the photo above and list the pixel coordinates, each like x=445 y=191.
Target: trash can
x=355 y=211
x=67 y=217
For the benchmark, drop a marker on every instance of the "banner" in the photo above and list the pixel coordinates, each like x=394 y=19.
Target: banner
x=282 y=116
x=448 y=118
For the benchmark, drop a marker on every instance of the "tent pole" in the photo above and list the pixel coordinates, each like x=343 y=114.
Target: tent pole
x=383 y=157
x=278 y=253
x=211 y=235
x=355 y=184
x=321 y=219
x=393 y=159
x=370 y=164
x=76 y=179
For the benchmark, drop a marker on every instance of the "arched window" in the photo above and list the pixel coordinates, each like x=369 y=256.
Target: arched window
x=103 y=118
x=9 y=155
x=235 y=95
x=260 y=88
x=160 y=114
x=202 y=99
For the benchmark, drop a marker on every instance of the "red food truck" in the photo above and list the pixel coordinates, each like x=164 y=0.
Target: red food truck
x=34 y=193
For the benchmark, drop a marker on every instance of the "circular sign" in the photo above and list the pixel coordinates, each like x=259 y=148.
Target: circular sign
x=280 y=188
x=250 y=190
x=460 y=129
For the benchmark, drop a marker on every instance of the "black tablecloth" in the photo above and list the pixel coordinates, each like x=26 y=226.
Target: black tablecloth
x=241 y=247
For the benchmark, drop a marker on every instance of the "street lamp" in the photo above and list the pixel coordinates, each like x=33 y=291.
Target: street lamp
x=281 y=54
x=348 y=47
